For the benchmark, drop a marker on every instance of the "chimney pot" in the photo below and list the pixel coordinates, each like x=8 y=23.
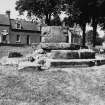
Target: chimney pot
x=8 y=13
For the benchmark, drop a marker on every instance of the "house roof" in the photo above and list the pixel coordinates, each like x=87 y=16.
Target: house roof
x=26 y=25
x=4 y=20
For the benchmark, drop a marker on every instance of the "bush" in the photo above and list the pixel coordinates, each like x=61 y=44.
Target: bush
x=14 y=54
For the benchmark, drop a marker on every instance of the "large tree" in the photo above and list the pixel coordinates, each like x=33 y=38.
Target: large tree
x=77 y=14
x=91 y=11
x=56 y=21
x=89 y=38
x=40 y=8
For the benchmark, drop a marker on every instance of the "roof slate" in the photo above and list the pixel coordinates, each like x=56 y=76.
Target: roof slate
x=4 y=20
x=26 y=25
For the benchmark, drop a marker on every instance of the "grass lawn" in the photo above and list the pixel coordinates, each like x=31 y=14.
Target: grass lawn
x=52 y=87
x=4 y=50
x=70 y=86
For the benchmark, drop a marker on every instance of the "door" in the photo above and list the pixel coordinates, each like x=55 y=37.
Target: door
x=4 y=39
x=28 y=39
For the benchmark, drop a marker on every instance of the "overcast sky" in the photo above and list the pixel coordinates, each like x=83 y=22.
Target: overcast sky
x=8 y=5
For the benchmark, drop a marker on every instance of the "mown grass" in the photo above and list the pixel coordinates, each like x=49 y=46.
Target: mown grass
x=4 y=50
x=71 y=86
x=52 y=87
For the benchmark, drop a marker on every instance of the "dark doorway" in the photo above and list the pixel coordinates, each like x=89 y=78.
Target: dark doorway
x=28 y=39
x=4 y=39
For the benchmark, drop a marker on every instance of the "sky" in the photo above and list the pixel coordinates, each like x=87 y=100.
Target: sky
x=8 y=5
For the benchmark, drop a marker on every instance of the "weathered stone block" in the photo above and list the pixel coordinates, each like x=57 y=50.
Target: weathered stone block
x=71 y=63
x=53 y=34
x=87 y=55
x=59 y=46
x=72 y=54
x=64 y=54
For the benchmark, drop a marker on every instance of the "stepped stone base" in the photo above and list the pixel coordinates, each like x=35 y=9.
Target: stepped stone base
x=76 y=63
x=72 y=54
x=59 y=46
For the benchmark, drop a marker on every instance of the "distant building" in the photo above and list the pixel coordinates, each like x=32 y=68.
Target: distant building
x=18 y=31
x=24 y=32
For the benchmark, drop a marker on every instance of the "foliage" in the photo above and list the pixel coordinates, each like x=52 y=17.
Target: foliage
x=90 y=11
x=89 y=38
x=56 y=21
x=40 y=8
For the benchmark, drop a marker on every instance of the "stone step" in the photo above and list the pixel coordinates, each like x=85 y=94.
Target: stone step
x=59 y=46
x=73 y=54
x=76 y=63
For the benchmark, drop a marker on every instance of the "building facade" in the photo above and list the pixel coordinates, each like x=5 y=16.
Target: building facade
x=18 y=31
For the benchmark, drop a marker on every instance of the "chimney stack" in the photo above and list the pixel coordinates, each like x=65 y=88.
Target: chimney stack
x=8 y=13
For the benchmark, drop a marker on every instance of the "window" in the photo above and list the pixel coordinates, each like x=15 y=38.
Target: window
x=18 y=25
x=28 y=39
x=18 y=38
x=4 y=38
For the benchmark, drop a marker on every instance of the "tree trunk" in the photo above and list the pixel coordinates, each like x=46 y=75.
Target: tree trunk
x=94 y=31
x=46 y=21
x=84 y=35
x=48 y=18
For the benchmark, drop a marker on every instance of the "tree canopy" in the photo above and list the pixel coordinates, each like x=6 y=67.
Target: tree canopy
x=40 y=8
x=89 y=38
x=91 y=11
